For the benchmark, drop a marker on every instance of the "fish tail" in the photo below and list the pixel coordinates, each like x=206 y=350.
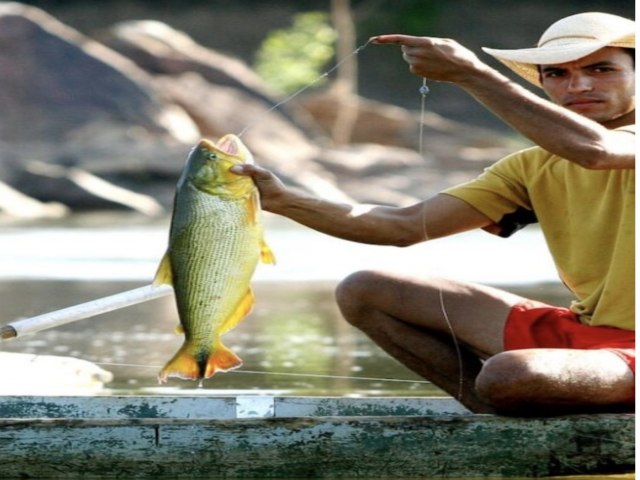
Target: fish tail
x=221 y=360
x=184 y=364
x=188 y=365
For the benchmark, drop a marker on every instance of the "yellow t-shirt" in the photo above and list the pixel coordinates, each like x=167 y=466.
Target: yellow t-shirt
x=587 y=218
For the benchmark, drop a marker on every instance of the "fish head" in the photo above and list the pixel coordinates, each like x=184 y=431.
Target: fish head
x=208 y=167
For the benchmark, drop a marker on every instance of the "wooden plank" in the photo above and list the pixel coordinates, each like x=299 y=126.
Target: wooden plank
x=218 y=408
x=117 y=407
x=320 y=447
x=262 y=436
x=381 y=406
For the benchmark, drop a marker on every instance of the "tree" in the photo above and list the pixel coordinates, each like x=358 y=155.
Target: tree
x=345 y=87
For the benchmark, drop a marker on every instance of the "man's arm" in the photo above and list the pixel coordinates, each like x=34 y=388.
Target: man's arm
x=436 y=217
x=552 y=127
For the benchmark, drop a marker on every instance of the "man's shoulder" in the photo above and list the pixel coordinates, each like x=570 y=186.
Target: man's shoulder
x=524 y=161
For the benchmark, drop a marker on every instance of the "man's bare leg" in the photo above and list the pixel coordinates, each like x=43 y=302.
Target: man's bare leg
x=432 y=356
x=413 y=319
x=556 y=381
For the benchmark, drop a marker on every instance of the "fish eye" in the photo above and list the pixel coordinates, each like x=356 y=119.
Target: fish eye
x=212 y=156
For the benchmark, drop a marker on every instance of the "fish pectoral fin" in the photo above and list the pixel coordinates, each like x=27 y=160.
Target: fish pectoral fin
x=164 y=275
x=244 y=307
x=252 y=208
x=266 y=254
x=221 y=360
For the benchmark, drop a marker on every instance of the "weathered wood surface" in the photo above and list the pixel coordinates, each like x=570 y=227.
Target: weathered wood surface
x=266 y=445
x=220 y=408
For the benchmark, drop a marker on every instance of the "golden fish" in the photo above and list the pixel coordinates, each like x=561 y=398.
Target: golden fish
x=215 y=242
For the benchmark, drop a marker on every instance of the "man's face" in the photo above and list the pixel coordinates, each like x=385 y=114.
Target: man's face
x=600 y=86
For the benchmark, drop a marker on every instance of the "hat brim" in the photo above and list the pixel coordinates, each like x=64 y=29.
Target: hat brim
x=525 y=61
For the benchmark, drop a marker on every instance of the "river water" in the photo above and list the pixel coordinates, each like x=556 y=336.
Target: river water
x=294 y=342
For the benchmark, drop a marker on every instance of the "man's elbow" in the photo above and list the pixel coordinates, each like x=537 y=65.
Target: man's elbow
x=598 y=157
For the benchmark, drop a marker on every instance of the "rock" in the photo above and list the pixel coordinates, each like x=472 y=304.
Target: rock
x=17 y=204
x=27 y=374
x=56 y=73
x=376 y=122
x=67 y=99
x=161 y=50
x=108 y=125
x=223 y=95
x=450 y=145
x=360 y=160
x=380 y=174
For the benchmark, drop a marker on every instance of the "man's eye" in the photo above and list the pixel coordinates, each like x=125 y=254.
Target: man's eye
x=603 y=69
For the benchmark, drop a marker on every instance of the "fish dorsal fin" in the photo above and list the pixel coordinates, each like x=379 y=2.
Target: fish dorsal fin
x=242 y=310
x=164 y=275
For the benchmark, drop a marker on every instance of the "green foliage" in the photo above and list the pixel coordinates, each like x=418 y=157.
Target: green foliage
x=411 y=17
x=289 y=59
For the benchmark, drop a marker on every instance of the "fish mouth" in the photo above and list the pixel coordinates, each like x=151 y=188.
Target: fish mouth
x=229 y=144
x=230 y=148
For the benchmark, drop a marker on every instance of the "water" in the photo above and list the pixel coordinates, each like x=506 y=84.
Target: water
x=295 y=341
x=124 y=248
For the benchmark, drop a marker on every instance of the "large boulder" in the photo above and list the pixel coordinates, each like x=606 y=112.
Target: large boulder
x=90 y=124
x=223 y=95
x=69 y=101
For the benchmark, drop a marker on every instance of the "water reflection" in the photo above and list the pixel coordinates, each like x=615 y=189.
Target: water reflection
x=294 y=342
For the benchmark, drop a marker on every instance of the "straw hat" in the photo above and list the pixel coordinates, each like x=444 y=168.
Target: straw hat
x=569 y=39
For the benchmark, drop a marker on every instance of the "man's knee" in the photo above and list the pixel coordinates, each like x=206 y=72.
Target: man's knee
x=555 y=381
x=504 y=379
x=352 y=295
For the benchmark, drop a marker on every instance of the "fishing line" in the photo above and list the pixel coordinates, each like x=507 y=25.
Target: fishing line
x=448 y=322
x=456 y=345
x=306 y=87
x=283 y=374
x=337 y=377
x=424 y=91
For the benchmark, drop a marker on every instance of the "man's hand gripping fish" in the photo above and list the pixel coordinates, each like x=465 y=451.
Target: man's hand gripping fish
x=215 y=242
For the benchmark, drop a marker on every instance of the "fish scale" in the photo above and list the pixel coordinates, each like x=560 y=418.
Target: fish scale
x=201 y=256
x=215 y=243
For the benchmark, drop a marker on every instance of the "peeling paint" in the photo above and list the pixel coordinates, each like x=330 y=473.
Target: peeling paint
x=150 y=442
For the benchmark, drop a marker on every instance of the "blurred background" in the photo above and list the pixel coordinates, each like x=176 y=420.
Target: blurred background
x=102 y=100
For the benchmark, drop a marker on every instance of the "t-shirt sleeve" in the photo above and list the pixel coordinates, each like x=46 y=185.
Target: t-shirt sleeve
x=500 y=193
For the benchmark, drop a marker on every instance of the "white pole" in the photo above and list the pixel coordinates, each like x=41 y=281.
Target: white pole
x=84 y=310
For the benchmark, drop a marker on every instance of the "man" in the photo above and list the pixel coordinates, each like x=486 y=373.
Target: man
x=493 y=350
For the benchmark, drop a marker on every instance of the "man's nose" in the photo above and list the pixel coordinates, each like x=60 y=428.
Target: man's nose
x=579 y=82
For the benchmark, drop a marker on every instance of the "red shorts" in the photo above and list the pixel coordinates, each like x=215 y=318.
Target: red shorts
x=538 y=325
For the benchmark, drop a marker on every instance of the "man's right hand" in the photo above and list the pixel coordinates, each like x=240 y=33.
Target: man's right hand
x=271 y=187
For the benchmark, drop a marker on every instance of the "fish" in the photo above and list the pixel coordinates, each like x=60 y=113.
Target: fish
x=216 y=240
